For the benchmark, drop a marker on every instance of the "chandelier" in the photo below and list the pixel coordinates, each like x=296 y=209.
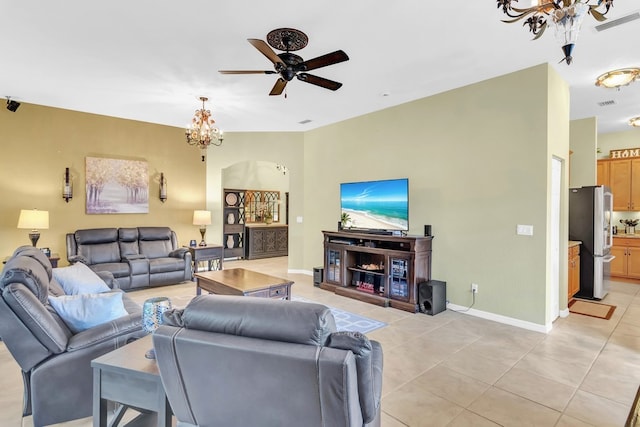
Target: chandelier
x=564 y=16
x=202 y=131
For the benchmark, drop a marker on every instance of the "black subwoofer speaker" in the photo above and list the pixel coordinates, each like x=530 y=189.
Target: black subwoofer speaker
x=432 y=296
x=318 y=274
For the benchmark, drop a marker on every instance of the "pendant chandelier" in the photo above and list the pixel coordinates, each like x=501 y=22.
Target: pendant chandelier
x=564 y=16
x=202 y=131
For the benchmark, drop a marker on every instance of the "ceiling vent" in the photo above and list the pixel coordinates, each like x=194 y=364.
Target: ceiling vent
x=305 y=121
x=607 y=103
x=615 y=22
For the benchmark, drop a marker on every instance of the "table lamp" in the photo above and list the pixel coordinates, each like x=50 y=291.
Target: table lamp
x=202 y=218
x=152 y=310
x=34 y=220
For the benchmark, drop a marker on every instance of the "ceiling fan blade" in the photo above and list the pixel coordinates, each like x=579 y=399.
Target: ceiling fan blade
x=278 y=87
x=323 y=61
x=319 y=81
x=245 y=72
x=266 y=50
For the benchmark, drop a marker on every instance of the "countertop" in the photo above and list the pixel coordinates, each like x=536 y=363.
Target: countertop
x=627 y=236
x=573 y=243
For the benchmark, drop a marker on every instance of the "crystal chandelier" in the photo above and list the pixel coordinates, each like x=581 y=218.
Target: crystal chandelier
x=202 y=131
x=564 y=16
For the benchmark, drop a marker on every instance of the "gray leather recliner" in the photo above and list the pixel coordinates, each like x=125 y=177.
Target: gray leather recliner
x=241 y=361
x=55 y=363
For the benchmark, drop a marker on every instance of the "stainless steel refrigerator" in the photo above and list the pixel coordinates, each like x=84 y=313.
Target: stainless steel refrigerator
x=590 y=210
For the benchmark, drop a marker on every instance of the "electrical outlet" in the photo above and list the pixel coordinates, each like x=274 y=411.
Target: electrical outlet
x=474 y=288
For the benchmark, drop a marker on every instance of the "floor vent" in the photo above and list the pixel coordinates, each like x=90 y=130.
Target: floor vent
x=619 y=21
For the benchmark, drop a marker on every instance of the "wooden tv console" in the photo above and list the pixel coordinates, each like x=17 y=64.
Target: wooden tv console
x=379 y=269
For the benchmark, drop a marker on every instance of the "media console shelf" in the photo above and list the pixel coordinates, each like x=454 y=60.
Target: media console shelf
x=378 y=269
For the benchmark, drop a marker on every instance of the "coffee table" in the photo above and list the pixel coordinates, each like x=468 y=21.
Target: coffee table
x=127 y=377
x=239 y=281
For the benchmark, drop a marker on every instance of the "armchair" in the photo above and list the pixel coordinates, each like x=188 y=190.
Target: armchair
x=55 y=362
x=240 y=361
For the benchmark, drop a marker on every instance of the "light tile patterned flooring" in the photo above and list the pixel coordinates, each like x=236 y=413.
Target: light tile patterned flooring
x=457 y=370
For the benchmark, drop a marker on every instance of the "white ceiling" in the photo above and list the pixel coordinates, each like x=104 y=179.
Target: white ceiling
x=151 y=60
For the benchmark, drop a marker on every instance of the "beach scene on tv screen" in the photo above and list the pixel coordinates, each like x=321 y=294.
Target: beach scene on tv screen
x=378 y=205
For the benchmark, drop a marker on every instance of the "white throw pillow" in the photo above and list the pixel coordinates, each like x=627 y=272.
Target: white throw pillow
x=85 y=311
x=78 y=278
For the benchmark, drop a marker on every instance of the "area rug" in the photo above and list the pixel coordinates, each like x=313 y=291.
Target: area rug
x=347 y=321
x=592 y=309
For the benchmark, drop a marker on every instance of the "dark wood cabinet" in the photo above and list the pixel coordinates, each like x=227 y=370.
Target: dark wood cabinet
x=380 y=269
x=264 y=241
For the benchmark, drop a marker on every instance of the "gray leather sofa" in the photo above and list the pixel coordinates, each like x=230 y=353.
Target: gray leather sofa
x=55 y=363
x=137 y=257
x=241 y=361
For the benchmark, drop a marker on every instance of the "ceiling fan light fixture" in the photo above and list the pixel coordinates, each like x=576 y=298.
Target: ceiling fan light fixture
x=202 y=131
x=617 y=78
x=635 y=122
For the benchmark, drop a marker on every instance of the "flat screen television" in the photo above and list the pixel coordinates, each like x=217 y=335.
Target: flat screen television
x=376 y=205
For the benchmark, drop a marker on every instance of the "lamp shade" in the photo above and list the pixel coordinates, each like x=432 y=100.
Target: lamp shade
x=33 y=219
x=201 y=217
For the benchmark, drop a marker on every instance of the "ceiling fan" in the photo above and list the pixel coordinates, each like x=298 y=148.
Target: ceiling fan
x=289 y=65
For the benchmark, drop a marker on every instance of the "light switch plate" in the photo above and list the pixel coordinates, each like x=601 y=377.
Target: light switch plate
x=524 y=230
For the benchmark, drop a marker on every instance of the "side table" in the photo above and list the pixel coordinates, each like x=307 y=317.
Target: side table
x=53 y=258
x=126 y=376
x=210 y=253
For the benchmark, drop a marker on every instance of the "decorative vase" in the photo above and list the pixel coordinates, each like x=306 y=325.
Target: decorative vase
x=230 y=241
x=230 y=218
x=268 y=220
x=152 y=310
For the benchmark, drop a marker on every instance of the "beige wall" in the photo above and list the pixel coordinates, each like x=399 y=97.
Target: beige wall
x=39 y=142
x=584 y=144
x=285 y=148
x=478 y=161
x=614 y=141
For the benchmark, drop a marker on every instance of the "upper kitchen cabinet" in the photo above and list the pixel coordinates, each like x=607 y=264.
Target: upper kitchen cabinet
x=603 y=173
x=624 y=180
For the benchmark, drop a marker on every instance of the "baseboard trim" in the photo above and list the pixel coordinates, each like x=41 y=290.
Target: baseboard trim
x=305 y=272
x=501 y=319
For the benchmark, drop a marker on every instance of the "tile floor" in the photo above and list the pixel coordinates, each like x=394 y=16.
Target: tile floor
x=457 y=370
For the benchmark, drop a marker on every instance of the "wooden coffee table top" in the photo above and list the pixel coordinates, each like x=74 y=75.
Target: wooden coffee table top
x=240 y=279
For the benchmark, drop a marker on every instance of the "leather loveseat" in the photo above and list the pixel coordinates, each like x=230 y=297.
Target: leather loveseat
x=55 y=362
x=239 y=361
x=137 y=257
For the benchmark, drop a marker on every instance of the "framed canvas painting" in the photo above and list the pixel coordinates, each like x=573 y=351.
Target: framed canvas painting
x=116 y=186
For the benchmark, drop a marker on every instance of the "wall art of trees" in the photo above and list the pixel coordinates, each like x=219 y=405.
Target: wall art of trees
x=117 y=186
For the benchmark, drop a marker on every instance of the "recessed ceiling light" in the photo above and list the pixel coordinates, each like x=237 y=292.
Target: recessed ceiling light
x=617 y=78
x=635 y=122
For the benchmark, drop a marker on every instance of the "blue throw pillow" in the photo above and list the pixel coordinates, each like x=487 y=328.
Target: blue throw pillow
x=79 y=279
x=84 y=311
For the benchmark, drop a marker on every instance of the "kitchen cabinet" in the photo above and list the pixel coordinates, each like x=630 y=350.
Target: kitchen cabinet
x=627 y=257
x=603 y=173
x=624 y=180
x=574 y=271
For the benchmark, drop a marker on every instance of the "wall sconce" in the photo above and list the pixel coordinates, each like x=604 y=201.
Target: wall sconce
x=67 y=186
x=34 y=220
x=163 y=188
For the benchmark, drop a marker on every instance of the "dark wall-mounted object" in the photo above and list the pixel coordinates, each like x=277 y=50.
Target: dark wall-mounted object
x=427 y=230
x=12 y=105
x=67 y=186
x=163 y=188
